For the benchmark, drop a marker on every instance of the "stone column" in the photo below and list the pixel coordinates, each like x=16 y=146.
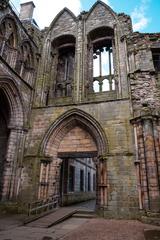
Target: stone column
x=151 y=164
x=13 y=165
x=102 y=182
x=137 y=165
x=156 y=126
x=146 y=131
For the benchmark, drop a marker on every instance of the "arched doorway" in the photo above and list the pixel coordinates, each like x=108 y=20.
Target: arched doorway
x=12 y=135
x=73 y=141
x=4 y=134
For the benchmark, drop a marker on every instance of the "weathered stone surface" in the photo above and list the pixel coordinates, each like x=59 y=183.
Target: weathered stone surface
x=48 y=116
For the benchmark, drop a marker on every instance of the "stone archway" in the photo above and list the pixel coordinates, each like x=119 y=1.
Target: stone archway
x=4 y=134
x=12 y=118
x=74 y=134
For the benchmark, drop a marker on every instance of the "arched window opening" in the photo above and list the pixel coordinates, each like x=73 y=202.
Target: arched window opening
x=64 y=62
x=4 y=135
x=25 y=63
x=8 y=41
x=101 y=42
x=96 y=86
x=105 y=86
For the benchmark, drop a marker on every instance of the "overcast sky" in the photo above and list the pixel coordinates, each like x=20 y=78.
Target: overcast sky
x=145 y=13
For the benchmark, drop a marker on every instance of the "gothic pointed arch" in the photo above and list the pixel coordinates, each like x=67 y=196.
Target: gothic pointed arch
x=99 y=4
x=25 y=64
x=60 y=14
x=65 y=123
x=14 y=98
x=9 y=31
x=12 y=134
x=9 y=40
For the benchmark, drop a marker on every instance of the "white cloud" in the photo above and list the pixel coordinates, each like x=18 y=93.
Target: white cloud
x=46 y=10
x=140 y=21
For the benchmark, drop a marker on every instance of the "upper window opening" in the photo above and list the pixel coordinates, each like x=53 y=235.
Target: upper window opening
x=64 y=60
x=102 y=54
x=8 y=33
x=25 y=62
x=156 y=59
x=8 y=41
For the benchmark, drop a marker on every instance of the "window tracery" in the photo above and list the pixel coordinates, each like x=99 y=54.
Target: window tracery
x=25 y=62
x=8 y=41
x=101 y=53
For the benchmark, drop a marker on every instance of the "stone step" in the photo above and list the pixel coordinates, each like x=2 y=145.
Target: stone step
x=151 y=220
x=86 y=211
x=152 y=214
x=83 y=215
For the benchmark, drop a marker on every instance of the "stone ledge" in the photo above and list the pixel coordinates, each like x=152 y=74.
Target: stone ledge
x=151 y=220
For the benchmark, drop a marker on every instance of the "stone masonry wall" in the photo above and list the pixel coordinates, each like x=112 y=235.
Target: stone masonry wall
x=143 y=78
x=114 y=118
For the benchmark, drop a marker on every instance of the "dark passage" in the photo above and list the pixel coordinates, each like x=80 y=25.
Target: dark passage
x=4 y=133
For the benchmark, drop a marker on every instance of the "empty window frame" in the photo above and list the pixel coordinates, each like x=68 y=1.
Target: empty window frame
x=102 y=54
x=65 y=71
x=8 y=41
x=25 y=62
x=63 y=52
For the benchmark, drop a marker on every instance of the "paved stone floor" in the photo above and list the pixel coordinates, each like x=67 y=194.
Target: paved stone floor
x=76 y=229
x=58 y=231
x=12 y=228
x=102 y=229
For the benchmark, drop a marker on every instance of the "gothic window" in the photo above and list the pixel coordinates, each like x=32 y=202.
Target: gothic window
x=8 y=41
x=64 y=61
x=25 y=62
x=101 y=49
x=156 y=59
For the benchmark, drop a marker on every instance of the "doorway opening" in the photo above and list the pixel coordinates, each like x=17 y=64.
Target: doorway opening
x=73 y=167
x=4 y=135
x=77 y=180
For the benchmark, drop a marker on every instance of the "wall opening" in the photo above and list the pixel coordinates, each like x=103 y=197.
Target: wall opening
x=25 y=62
x=4 y=135
x=101 y=53
x=77 y=143
x=77 y=180
x=8 y=41
x=63 y=52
